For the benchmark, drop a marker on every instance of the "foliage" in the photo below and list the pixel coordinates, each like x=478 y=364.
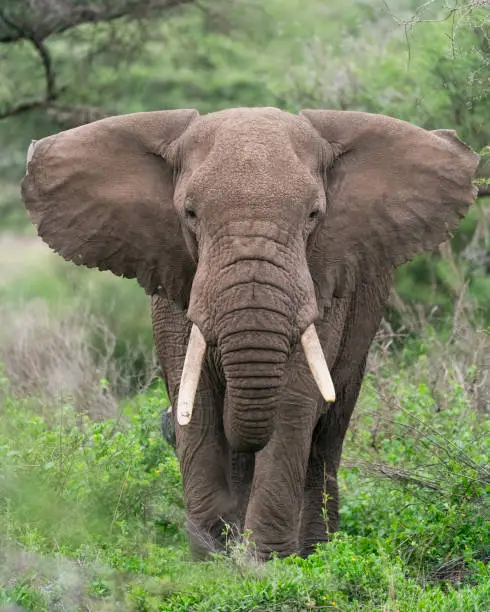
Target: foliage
x=415 y=513
x=43 y=18
x=64 y=325
x=417 y=61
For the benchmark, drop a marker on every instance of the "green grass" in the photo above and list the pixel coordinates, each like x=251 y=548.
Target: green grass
x=91 y=513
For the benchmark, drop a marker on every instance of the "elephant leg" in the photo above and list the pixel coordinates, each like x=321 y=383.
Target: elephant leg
x=201 y=446
x=168 y=427
x=241 y=475
x=274 y=508
x=320 y=514
x=203 y=455
x=348 y=319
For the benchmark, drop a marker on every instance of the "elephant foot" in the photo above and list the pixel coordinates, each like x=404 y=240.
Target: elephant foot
x=226 y=537
x=205 y=541
x=212 y=537
x=309 y=544
x=265 y=551
x=263 y=555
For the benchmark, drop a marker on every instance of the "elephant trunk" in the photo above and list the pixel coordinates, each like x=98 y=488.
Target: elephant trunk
x=253 y=298
x=254 y=351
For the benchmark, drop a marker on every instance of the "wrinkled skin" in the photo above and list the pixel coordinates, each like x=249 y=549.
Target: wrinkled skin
x=252 y=224
x=287 y=509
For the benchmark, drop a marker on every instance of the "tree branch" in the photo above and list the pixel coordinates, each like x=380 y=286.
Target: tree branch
x=50 y=77
x=22 y=107
x=35 y=20
x=48 y=17
x=51 y=91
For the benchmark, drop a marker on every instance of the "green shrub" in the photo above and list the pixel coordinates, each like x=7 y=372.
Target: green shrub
x=104 y=500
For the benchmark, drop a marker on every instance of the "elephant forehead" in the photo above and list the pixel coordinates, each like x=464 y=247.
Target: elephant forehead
x=252 y=177
x=252 y=158
x=252 y=137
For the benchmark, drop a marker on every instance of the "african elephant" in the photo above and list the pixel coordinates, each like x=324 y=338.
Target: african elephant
x=267 y=242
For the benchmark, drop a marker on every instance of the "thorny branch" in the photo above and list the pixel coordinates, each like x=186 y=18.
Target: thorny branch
x=462 y=10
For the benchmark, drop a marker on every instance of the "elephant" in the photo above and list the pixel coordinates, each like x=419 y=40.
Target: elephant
x=267 y=242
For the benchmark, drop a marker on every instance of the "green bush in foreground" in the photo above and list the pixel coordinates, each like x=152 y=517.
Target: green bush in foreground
x=91 y=514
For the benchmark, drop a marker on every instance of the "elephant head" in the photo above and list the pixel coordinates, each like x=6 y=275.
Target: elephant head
x=251 y=220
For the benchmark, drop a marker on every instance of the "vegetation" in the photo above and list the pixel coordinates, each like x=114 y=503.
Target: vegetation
x=91 y=511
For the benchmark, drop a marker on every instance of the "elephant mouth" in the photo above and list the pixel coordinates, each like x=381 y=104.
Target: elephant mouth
x=194 y=358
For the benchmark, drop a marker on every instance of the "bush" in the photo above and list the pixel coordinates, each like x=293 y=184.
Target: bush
x=415 y=510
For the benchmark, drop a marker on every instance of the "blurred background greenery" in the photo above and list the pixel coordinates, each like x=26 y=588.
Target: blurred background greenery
x=77 y=369
x=66 y=62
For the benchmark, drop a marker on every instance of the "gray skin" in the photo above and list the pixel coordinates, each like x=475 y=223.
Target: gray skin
x=252 y=224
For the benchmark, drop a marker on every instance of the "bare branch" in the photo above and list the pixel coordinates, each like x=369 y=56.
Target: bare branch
x=43 y=52
x=41 y=48
x=43 y=18
x=22 y=107
x=74 y=116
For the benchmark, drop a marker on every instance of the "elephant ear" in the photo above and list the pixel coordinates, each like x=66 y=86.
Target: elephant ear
x=393 y=190
x=101 y=195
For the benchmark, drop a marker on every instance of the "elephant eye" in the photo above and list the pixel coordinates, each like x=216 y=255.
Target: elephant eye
x=189 y=209
x=315 y=211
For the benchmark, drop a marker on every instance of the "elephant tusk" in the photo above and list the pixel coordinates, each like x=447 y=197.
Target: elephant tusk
x=191 y=373
x=318 y=365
